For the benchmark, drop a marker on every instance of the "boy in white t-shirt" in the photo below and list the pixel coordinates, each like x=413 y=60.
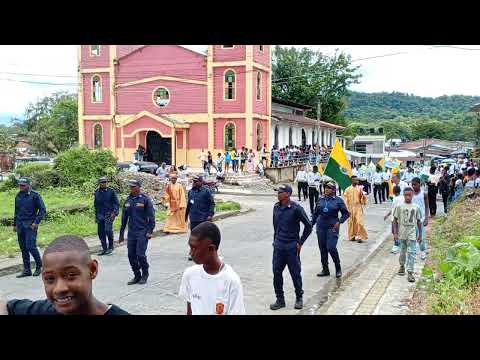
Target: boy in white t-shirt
x=397 y=199
x=211 y=287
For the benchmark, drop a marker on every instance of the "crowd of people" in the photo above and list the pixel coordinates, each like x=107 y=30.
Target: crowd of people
x=294 y=155
x=212 y=287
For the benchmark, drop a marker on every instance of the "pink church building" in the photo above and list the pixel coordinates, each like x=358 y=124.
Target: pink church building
x=174 y=101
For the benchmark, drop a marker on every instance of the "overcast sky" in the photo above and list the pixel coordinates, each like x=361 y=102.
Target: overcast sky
x=420 y=70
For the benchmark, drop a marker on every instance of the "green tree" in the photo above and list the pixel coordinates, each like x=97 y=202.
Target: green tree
x=51 y=124
x=7 y=141
x=307 y=77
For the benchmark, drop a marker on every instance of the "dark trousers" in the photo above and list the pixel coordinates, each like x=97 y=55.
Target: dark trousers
x=445 y=201
x=193 y=224
x=432 y=199
x=366 y=186
x=327 y=243
x=302 y=187
x=377 y=190
x=27 y=240
x=313 y=197
x=137 y=252
x=105 y=230
x=282 y=258
x=384 y=191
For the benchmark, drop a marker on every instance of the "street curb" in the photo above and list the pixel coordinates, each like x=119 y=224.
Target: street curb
x=244 y=194
x=322 y=297
x=8 y=270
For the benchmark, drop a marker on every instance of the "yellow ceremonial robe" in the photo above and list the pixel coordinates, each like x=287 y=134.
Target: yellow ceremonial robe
x=355 y=200
x=175 y=197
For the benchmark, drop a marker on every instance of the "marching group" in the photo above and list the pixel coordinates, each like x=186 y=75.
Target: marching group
x=212 y=286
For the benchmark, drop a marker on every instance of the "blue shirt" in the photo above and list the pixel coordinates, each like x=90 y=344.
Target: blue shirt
x=200 y=204
x=105 y=203
x=334 y=205
x=286 y=225
x=138 y=212
x=29 y=208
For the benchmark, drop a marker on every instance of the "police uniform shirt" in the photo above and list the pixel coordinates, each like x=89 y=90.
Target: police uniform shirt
x=326 y=211
x=45 y=307
x=105 y=203
x=138 y=212
x=286 y=225
x=29 y=208
x=200 y=204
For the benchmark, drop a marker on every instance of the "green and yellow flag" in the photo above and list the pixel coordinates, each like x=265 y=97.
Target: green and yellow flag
x=338 y=167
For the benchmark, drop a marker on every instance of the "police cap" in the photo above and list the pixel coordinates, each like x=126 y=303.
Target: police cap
x=284 y=188
x=23 y=181
x=133 y=183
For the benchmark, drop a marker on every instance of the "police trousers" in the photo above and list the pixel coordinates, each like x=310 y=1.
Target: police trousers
x=137 y=243
x=282 y=258
x=105 y=230
x=327 y=243
x=27 y=240
x=377 y=191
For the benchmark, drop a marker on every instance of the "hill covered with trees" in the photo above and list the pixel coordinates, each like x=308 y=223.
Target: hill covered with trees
x=412 y=117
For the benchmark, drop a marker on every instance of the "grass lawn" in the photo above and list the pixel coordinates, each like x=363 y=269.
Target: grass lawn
x=81 y=224
x=53 y=198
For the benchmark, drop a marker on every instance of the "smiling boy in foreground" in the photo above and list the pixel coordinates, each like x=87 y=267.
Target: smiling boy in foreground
x=68 y=271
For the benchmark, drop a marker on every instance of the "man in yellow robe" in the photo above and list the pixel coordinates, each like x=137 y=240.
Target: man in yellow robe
x=177 y=204
x=355 y=200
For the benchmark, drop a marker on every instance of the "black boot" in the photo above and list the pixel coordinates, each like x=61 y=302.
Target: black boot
x=24 y=274
x=109 y=251
x=135 y=280
x=299 y=303
x=101 y=253
x=38 y=271
x=280 y=303
x=143 y=279
x=325 y=272
x=338 y=271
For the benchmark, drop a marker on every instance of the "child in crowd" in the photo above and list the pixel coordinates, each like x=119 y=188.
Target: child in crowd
x=211 y=287
x=397 y=199
x=406 y=219
x=68 y=272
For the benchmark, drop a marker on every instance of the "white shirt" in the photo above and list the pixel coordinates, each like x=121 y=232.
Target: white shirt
x=354 y=172
x=397 y=200
x=219 y=294
x=402 y=185
x=408 y=177
x=377 y=178
x=133 y=168
x=314 y=179
x=386 y=176
x=301 y=176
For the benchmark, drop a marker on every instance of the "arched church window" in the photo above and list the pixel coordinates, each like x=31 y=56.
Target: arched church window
x=98 y=136
x=259 y=137
x=259 y=85
x=96 y=89
x=229 y=136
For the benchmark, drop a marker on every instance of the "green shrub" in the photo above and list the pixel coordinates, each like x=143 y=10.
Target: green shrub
x=45 y=178
x=79 y=166
x=28 y=170
x=8 y=184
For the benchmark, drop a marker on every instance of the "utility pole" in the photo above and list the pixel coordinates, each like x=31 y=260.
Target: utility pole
x=319 y=112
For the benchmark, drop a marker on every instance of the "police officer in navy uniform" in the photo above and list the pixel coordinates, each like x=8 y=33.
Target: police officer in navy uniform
x=106 y=209
x=200 y=204
x=29 y=211
x=328 y=226
x=287 y=216
x=138 y=212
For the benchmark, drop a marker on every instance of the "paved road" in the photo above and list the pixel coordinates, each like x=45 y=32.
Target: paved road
x=246 y=246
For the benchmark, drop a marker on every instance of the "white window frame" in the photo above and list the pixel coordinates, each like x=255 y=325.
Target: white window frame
x=258 y=88
x=169 y=96
x=99 y=50
x=98 y=101
x=234 y=87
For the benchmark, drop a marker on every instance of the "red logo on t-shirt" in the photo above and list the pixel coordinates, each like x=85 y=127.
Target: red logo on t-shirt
x=219 y=308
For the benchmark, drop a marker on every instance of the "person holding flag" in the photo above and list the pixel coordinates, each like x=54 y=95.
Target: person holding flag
x=338 y=167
